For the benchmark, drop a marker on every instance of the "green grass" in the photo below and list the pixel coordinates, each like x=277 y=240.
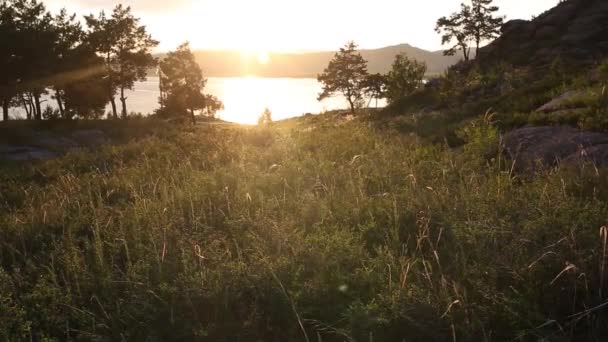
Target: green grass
x=307 y=230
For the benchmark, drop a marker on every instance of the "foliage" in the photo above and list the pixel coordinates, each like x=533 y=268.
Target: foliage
x=346 y=74
x=212 y=106
x=481 y=138
x=404 y=78
x=474 y=24
x=375 y=87
x=265 y=118
x=224 y=233
x=28 y=65
x=483 y=25
x=455 y=29
x=84 y=70
x=124 y=44
x=182 y=83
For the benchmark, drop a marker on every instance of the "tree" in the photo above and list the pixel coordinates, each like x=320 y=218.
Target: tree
x=35 y=40
x=474 y=24
x=405 y=77
x=455 y=28
x=125 y=46
x=8 y=77
x=182 y=83
x=212 y=105
x=346 y=74
x=78 y=71
x=483 y=25
x=266 y=118
x=375 y=87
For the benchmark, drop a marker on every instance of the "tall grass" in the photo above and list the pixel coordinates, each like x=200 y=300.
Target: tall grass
x=303 y=233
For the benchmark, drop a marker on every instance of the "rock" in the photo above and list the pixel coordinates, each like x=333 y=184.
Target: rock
x=25 y=153
x=51 y=141
x=533 y=148
x=559 y=102
x=547 y=32
x=598 y=155
x=574 y=30
x=515 y=25
x=90 y=137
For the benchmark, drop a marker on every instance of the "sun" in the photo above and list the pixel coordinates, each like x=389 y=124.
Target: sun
x=263 y=57
x=259 y=56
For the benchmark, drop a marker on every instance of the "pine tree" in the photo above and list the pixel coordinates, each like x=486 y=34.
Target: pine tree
x=182 y=83
x=405 y=77
x=346 y=75
x=125 y=46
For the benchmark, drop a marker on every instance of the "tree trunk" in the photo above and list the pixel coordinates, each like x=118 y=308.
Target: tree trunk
x=5 y=110
x=161 y=99
x=38 y=114
x=352 y=106
x=465 y=51
x=192 y=115
x=31 y=112
x=123 y=99
x=26 y=107
x=60 y=105
x=114 y=113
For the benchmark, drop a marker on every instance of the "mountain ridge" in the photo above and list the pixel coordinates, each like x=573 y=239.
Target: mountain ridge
x=230 y=63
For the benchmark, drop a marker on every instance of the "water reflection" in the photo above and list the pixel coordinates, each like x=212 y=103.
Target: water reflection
x=244 y=98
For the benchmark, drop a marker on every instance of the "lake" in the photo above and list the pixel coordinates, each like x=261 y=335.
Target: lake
x=244 y=98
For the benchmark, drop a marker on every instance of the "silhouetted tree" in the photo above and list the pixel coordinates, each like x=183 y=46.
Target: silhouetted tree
x=483 y=25
x=265 y=118
x=78 y=71
x=34 y=44
x=125 y=46
x=405 y=77
x=182 y=84
x=212 y=105
x=375 y=87
x=8 y=77
x=474 y=24
x=456 y=29
x=346 y=74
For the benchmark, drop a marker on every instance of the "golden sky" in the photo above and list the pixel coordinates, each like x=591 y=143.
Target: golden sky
x=287 y=25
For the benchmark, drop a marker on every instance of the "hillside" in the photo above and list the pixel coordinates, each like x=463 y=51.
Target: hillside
x=318 y=226
x=560 y=55
x=574 y=30
x=232 y=63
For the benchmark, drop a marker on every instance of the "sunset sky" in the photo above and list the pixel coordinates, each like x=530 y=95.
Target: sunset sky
x=286 y=25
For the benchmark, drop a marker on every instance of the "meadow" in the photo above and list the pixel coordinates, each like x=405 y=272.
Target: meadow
x=312 y=229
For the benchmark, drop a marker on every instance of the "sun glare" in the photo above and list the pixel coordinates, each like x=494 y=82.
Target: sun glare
x=260 y=57
x=263 y=57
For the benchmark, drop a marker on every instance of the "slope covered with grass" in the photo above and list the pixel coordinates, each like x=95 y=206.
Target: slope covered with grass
x=307 y=230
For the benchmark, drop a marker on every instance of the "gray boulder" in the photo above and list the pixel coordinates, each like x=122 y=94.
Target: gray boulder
x=90 y=137
x=559 y=102
x=533 y=148
x=25 y=153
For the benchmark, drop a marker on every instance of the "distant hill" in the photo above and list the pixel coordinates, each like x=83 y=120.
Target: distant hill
x=310 y=64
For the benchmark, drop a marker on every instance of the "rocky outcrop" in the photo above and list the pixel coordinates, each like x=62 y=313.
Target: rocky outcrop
x=533 y=148
x=561 y=102
x=25 y=153
x=573 y=30
x=45 y=146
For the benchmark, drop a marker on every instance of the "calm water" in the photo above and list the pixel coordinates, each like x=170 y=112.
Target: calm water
x=244 y=98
